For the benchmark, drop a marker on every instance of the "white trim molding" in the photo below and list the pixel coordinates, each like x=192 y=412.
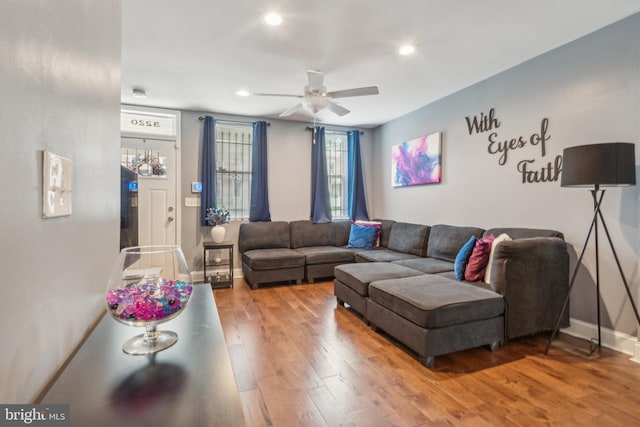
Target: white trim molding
x=614 y=340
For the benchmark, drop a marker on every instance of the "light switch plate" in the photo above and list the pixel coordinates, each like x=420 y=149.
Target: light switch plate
x=192 y=202
x=56 y=185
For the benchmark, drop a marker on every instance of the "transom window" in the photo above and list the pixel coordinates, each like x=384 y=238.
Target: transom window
x=233 y=168
x=144 y=162
x=336 y=147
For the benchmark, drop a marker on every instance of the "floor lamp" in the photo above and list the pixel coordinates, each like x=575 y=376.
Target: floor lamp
x=597 y=165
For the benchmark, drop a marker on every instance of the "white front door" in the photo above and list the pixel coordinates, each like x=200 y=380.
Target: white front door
x=155 y=162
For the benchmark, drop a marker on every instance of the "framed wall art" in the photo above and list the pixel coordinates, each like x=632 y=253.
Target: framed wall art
x=417 y=162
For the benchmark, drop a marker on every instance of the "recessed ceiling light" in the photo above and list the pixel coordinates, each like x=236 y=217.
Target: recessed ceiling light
x=273 y=18
x=242 y=92
x=139 y=93
x=407 y=49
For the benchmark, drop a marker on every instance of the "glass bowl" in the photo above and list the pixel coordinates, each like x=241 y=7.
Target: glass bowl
x=149 y=285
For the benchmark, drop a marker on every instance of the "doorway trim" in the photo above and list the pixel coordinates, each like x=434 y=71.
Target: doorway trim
x=170 y=130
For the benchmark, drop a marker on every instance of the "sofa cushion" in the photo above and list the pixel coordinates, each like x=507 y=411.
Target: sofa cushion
x=477 y=264
x=358 y=276
x=462 y=259
x=263 y=235
x=381 y=255
x=341 y=230
x=385 y=232
x=446 y=240
x=427 y=265
x=326 y=254
x=271 y=259
x=451 y=275
x=362 y=237
x=432 y=301
x=305 y=233
x=409 y=238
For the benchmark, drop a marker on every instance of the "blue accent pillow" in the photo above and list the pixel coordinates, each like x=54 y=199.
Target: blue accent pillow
x=362 y=237
x=460 y=264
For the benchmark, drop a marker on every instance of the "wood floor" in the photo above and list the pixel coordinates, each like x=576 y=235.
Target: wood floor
x=299 y=360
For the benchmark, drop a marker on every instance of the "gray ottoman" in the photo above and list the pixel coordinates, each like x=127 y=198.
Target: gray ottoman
x=351 y=284
x=434 y=315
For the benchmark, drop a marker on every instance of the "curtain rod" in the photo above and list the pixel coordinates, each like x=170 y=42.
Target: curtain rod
x=232 y=121
x=309 y=129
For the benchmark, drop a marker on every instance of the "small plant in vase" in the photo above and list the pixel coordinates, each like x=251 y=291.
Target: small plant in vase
x=216 y=217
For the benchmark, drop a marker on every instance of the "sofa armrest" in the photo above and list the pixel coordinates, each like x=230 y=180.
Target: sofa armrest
x=532 y=275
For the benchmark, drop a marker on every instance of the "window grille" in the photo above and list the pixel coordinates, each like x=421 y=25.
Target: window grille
x=336 y=148
x=233 y=168
x=144 y=162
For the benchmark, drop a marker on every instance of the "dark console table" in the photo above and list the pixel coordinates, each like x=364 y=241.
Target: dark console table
x=188 y=384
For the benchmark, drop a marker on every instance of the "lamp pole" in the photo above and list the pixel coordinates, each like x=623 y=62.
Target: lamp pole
x=596 y=209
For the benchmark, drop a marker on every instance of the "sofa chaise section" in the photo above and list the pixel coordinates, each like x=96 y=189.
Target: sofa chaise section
x=351 y=284
x=434 y=315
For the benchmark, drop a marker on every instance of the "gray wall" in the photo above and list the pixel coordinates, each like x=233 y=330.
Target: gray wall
x=60 y=91
x=590 y=92
x=289 y=157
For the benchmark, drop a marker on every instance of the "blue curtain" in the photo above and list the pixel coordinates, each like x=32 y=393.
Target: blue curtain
x=357 y=206
x=320 y=204
x=259 y=209
x=208 y=168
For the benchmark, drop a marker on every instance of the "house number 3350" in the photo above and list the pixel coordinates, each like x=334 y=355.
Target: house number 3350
x=146 y=123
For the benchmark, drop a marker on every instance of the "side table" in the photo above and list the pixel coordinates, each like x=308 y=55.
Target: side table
x=219 y=258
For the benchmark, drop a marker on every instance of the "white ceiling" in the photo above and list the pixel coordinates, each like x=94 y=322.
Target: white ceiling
x=194 y=54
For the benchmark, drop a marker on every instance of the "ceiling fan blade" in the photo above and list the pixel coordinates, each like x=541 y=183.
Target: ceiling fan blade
x=291 y=110
x=337 y=108
x=359 y=91
x=316 y=80
x=275 y=94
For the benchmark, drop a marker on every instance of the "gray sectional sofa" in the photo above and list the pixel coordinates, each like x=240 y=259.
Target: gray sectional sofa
x=407 y=286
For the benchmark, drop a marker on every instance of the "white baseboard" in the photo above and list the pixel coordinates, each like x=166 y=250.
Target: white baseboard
x=614 y=340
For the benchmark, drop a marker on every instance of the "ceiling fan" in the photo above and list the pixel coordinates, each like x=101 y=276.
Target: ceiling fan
x=316 y=97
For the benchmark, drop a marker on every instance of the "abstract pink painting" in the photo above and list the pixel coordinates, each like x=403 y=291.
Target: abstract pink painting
x=416 y=162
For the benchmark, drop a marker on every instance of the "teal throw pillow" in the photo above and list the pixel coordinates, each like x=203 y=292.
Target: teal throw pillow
x=462 y=258
x=361 y=237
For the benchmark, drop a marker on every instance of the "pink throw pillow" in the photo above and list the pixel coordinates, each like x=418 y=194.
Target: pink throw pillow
x=479 y=259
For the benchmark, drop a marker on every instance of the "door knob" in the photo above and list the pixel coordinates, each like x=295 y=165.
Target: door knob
x=170 y=219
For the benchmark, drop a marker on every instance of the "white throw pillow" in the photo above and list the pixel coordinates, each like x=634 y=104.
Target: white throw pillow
x=501 y=238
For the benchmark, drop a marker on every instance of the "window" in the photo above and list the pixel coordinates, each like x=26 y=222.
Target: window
x=233 y=168
x=336 y=145
x=147 y=163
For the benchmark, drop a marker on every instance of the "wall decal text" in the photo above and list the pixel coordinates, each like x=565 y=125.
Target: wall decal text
x=501 y=147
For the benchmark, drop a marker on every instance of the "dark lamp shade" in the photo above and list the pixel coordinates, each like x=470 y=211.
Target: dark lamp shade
x=608 y=164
